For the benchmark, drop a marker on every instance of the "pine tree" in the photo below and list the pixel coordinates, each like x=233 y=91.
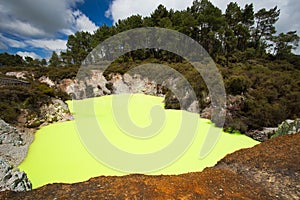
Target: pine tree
x=54 y=60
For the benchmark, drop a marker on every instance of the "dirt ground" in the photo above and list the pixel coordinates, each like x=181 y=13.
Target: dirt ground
x=270 y=170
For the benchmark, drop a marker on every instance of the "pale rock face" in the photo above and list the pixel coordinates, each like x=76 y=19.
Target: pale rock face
x=92 y=86
x=194 y=107
x=47 y=80
x=13 y=179
x=96 y=85
x=9 y=135
x=19 y=75
x=67 y=85
x=12 y=150
x=118 y=84
x=132 y=84
x=14 y=143
x=57 y=111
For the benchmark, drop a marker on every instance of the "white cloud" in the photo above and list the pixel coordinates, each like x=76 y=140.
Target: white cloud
x=43 y=18
x=121 y=9
x=11 y=42
x=30 y=54
x=22 y=28
x=35 y=18
x=67 y=31
x=78 y=22
x=51 y=45
x=290 y=17
x=36 y=24
x=3 y=46
x=83 y=23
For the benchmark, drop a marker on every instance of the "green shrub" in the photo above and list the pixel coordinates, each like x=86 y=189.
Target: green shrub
x=237 y=85
x=235 y=125
x=8 y=111
x=287 y=127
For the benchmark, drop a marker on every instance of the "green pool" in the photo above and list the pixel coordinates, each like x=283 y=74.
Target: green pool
x=58 y=155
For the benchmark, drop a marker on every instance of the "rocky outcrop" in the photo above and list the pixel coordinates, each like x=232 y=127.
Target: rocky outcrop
x=47 y=80
x=13 y=149
x=19 y=75
x=261 y=135
x=287 y=127
x=97 y=85
x=9 y=135
x=267 y=171
x=14 y=143
x=94 y=85
x=56 y=111
x=13 y=179
x=133 y=84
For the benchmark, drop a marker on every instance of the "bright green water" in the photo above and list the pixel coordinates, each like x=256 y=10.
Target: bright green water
x=57 y=154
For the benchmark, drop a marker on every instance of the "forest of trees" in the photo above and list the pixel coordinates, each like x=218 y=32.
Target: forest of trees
x=221 y=34
x=238 y=29
x=255 y=61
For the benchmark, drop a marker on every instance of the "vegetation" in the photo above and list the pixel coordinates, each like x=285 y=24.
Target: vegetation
x=15 y=98
x=288 y=128
x=255 y=61
x=237 y=31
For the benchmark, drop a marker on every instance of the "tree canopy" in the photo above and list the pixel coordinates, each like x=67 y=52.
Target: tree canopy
x=221 y=34
x=238 y=29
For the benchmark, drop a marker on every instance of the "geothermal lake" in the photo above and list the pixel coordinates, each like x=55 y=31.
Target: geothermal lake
x=58 y=154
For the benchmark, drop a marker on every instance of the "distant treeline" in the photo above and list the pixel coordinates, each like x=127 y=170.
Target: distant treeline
x=221 y=34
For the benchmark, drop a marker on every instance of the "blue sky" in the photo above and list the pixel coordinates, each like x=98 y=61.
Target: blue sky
x=37 y=27
x=95 y=10
x=44 y=26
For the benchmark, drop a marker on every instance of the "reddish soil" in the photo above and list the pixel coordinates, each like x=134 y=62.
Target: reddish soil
x=270 y=170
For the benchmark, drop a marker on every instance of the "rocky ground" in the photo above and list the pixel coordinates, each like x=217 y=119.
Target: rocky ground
x=14 y=143
x=13 y=149
x=270 y=170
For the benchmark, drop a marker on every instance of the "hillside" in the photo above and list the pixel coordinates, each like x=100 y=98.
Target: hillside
x=256 y=89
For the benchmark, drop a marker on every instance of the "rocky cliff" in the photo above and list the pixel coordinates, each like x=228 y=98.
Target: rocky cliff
x=270 y=170
x=97 y=85
x=55 y=111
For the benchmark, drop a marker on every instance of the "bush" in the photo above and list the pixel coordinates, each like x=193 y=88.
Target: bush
x=237 y=85
x=235 y=125
x=9 y=112
x=31 y=97
x=288 y=127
